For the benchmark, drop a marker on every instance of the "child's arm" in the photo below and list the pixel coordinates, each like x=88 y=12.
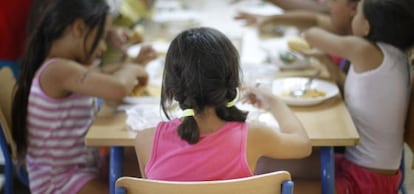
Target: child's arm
x=301 y=4
x=64 y=77
x=335 y=72
x=289 y=141
x=353 y=48
x=143 y=147
x=301 y=19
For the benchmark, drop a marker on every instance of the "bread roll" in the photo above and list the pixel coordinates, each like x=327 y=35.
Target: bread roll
x=298 y=44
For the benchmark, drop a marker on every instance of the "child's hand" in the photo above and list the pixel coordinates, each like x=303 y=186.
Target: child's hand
x=248 y=18
x=146 y=54
x=258 y=97
x=118 y=37
x=140 y=79
x=140 y=73
x=267 y=26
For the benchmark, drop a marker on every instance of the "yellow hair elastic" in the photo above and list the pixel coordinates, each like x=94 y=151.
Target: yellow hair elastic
x=187 y=113
x=233 y=102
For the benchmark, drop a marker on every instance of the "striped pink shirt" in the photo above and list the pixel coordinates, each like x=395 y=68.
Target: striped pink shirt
x=57 y=158
x=217 y=156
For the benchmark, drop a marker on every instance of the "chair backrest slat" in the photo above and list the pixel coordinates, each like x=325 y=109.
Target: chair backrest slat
x=7 y=82
x=270 y=183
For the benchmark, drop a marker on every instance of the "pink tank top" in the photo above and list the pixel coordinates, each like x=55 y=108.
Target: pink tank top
x=217 y=156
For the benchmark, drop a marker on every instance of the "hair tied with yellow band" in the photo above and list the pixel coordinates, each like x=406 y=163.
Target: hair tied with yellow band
x=233 y=102
x=187 y=113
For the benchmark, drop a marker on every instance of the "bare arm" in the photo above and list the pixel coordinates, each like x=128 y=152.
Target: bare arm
x=301 y=4
x=334 y=71
x=353 y=48
x=65 y=77
x=290 y=141
x=143 y=148
x=299 y=18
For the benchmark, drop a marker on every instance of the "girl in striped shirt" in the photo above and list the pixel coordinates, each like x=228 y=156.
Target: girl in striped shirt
x=54 y=103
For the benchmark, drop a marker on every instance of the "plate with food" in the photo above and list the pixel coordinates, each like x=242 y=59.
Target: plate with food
x=317 y=92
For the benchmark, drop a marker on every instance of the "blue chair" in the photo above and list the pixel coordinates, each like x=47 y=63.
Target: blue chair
x=271 y=183
x=6 y=141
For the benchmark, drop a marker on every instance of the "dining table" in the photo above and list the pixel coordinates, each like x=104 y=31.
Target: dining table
x=328 y=124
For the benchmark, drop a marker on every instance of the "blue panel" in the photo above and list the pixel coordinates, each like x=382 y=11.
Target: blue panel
x=115 y=171
x=327 y=170
x=287 y=187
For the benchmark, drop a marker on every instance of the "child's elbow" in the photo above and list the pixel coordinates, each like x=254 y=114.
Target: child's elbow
x=306 y=147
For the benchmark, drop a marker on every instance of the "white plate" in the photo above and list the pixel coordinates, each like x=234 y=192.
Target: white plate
x=258 y=115
x=285 y=85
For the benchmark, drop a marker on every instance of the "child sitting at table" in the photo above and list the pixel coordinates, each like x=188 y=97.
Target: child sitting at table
x=55 y=102
x=377 y=90
x=337 y=21
x=212 y=140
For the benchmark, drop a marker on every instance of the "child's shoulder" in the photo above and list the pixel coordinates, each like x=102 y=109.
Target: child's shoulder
x=260 y=131
x=63 y=67
x=59 y=63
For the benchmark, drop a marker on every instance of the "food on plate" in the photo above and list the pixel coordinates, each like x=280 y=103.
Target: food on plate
x=311 y=93
x=298 y=44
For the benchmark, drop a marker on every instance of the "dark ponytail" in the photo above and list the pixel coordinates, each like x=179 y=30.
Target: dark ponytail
x=188 y=130
x=57 y=16
x=201 y=70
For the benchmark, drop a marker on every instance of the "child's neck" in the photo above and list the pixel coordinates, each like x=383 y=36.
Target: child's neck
x=208 y=121
x=61 y=48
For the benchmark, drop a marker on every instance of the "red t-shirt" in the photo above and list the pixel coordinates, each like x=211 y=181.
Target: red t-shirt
x=13 y=22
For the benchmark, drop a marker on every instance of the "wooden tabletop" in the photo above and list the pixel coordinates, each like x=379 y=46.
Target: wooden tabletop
x=327 y=124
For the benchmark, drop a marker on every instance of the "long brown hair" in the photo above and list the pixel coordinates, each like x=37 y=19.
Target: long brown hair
x=57 y=16
x=201 y=69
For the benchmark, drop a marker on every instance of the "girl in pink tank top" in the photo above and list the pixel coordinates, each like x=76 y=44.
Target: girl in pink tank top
x=212 y=140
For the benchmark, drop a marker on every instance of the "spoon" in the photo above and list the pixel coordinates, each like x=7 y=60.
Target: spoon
x=300 y=92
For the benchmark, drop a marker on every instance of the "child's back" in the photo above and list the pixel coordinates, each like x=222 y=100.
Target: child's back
x=212 y=141
x=377 y=101
x=223 y=152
